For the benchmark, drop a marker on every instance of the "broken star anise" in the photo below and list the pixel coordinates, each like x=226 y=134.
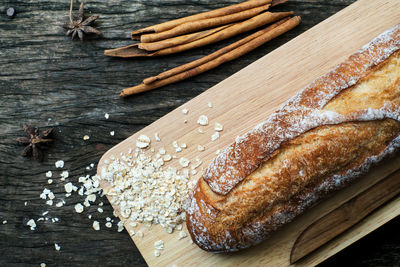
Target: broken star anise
x=34 y=141
x=80 y=26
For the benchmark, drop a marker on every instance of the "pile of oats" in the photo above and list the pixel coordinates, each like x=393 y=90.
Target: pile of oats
x=145 y=191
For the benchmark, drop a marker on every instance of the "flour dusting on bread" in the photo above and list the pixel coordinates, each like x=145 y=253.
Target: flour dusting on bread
x=243 y=165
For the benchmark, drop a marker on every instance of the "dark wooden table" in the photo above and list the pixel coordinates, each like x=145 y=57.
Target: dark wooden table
x=46 y=80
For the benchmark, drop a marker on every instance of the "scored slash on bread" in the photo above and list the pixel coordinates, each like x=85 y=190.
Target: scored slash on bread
x=318 y=142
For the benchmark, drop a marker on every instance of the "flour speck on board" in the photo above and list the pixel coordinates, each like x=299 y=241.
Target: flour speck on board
x=203 y=120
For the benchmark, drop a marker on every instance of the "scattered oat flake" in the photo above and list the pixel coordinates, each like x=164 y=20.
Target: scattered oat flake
x=215 y=136
x=68 y=187
x=175 y=144
x=139 y=234
x=209 y=104
x=203 y=120
x=217 y=152
x=131 y=232
x=108 y=224
x=218 y=127
x=184 y=162
x=185 y=111
x=65 y=174
x=49 y=202
x=200 y=130
x=91 y=198
x=32 y=224
x=57 y=247
x=49 y=174
x=26 y=203
x=157 y=137
x=182 y=235
x=185 y=121
x=120 y=226
x=60 y=204
x=79 y=208
x=96 y=225
x=112 y=133
x=159 y=245
x=106 y=116
x=200 y=148
x=5 y=221
x=86 y=137
x=197 y=163
x=157 y=253
x=50 y=181
x=43 y=264
x=143 y=141
x=184 y=145
x=100 y=210
x=44 y=194
x=59 y=164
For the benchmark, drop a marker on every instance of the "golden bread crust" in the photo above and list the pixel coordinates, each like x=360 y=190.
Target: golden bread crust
x=318 y=142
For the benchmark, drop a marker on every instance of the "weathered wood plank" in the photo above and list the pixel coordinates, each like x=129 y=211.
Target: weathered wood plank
x=47 y=80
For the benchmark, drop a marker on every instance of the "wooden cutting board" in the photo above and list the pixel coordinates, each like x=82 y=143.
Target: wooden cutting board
x=246 y=99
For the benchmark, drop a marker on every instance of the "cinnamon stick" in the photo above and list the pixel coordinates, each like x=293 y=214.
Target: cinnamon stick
x=194 y=26
x=216 y=54
x=256 y=40
x=237 y=28
x=180 y=39
x=206 y=15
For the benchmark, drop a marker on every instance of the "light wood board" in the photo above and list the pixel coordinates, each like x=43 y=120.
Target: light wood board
x=247 y=98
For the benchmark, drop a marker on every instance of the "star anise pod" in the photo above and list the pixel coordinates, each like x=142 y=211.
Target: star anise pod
x=34 y=141
x=80 y=26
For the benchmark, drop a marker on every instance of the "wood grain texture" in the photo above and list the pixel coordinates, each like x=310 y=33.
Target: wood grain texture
x=344 y=217
x=43 y=75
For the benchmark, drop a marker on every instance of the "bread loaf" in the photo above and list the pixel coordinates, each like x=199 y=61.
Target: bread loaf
x=319 y=141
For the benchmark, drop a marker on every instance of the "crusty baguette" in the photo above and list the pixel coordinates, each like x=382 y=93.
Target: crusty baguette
x=318 y=142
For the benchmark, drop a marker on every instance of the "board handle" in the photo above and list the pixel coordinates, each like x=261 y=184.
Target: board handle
x=345 y=216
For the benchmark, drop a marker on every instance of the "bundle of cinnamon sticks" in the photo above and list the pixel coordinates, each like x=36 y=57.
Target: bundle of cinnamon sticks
x=203 y=29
